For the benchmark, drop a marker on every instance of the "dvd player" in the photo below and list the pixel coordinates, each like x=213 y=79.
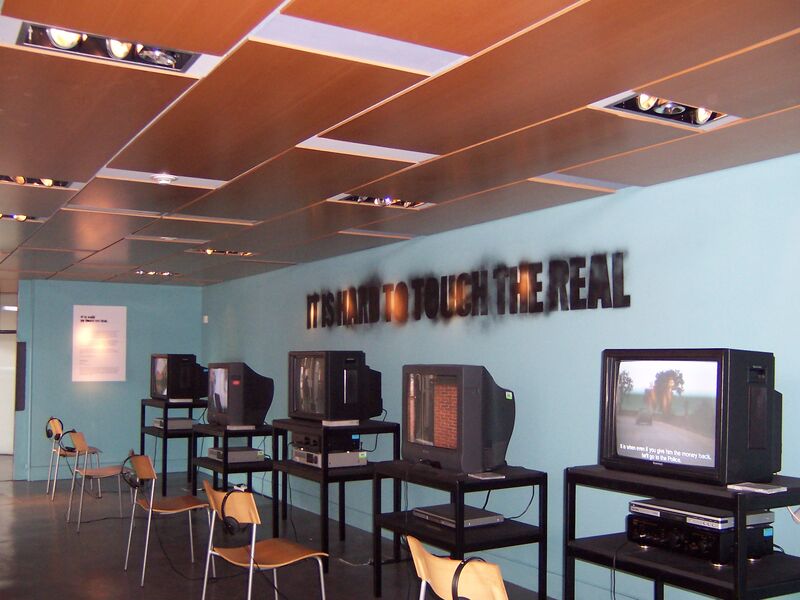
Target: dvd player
x=236 y=454
x=356 y=458
x=173 y=423
x=445 y=514
x=699 y=516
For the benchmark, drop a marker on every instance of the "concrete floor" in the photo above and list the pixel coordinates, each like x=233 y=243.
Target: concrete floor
x=43 y=557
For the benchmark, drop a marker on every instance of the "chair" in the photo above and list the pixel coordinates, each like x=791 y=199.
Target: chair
x=144 y=473
x=477 y=581
x=271 y=553
x=55 y=431
x=91 y=473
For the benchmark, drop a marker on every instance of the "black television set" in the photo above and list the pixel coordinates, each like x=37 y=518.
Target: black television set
x=709 y=415
x=177 y=377
x=333 y=385
x=456 y=417
x=237 y=395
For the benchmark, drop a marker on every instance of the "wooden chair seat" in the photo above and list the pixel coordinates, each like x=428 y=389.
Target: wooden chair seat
x=172 y=504
x=100 y=472
x=270 y=553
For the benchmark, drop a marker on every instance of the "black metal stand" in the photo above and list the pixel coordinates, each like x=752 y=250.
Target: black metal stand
x=457 y=541
x=323 y=475
x=224 y=467
x=167 y=434
x=772 y=575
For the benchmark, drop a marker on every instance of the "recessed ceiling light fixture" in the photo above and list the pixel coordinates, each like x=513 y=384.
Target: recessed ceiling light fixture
x=143 y=273
x=164 y=178
x=385 y=201
x=663 y=108
x=17 y=217
x=217 y=252
x=40 y=182
x=76 y=42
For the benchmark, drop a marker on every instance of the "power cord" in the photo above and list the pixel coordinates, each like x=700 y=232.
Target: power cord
x=613 y=575
x=384 y=414
x=533 y=493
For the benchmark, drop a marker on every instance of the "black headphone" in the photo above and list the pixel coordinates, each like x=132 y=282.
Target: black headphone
x=129 y=475
x=60 y=439
x=230 y=524
x=49 y=432
x=457 y=574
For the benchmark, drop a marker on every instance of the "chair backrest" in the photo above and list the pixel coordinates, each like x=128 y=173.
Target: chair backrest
x=143 y=467
x=79 y=442
x=239 y=505
x=478 y=580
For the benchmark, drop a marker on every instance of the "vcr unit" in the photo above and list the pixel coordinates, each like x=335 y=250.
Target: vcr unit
x=337 y=441
x=715 y=545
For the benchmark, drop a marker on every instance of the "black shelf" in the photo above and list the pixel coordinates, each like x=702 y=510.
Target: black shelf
x=457 y=540
x=360 y=473
x=223 y=466
x=165 y=406
x=507 y=533
x=772 y=575
x=322 y=475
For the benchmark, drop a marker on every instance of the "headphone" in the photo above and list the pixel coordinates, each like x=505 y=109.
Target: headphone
x=60 y=439
x=49 y=432
x=129 y=475
x=230 y=524
x=457 y=574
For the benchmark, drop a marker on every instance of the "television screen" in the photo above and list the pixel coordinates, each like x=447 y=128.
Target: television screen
x=177 y=377
x=333 y=385
x=456 y=417
x=218 y=388
x=160 y=375
x=707 y=414
x=667 y=410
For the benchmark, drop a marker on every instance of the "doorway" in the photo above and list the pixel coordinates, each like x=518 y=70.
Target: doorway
x=8 y=369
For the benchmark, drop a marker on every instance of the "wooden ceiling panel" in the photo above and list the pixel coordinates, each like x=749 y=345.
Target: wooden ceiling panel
x=69 y=119
x=190 y=230
x=96 y=272
x=262 y=100
x=302 y=226
x=71 y=230
x=333 y=245
x=188 y=262
x=206 y=26
x=9 y=286
x=13 y=233
x=13 y=277
x=574 y=139
x=759 y=139
x=754 y=83
x=508 y=201
x=294 y=180
x=137 y=195
x=72 y=275
x=133 y=253
x=25 y=259
x=33 y=201
x=462 y=26
x=592 y=52
x=234 y=270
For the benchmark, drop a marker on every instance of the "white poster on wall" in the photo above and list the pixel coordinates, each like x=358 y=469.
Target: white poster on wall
x=99 y=339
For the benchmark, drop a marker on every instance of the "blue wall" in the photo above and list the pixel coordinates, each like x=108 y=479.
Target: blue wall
x=159 y=319
x=709 y=261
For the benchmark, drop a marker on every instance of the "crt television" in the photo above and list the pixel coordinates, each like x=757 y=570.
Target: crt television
x=237 y=395
x=709 y=414
x=456 y=417
x=177 y=377
x=334 y=385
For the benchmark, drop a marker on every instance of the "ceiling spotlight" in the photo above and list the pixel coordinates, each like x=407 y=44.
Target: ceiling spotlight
x=702 y=115
x=47 y=182
x=156 y=56
x=117 y=49
x=66 y=40
x=20 y=218
x=209 y=251
x=667 y=107
x=645 y=102
x=164 y=178
x=19 y=179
